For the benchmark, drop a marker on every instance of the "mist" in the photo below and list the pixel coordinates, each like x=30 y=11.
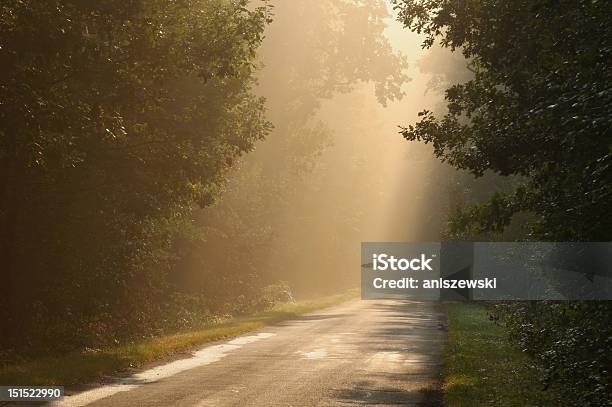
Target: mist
x=335 y=171
x=186 y=188
x=147 y=192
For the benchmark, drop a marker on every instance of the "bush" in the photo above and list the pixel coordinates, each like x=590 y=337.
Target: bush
x=571 y=340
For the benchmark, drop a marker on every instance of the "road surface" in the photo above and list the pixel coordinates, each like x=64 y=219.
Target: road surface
x=372 y=353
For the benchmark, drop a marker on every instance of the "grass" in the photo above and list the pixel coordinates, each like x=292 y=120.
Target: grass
x=88 y=366
x=483 y=368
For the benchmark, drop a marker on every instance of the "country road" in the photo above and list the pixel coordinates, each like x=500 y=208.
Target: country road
x=359 y=353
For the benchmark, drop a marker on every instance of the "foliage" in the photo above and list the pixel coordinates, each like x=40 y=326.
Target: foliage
x=483 y=367
x=116 y=118
x=538 y=107
x=572 y=340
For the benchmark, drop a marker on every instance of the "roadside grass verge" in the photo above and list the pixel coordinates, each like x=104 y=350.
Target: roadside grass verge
x=88 y=366
x=483 y=368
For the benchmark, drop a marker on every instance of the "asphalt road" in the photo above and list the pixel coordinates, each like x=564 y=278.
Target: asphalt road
x=371 y=353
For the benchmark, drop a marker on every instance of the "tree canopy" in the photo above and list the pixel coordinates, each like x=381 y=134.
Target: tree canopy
x=115 y=119
x=538 y=107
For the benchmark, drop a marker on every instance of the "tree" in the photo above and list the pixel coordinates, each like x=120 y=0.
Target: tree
x=538 y=107
x=116 y=118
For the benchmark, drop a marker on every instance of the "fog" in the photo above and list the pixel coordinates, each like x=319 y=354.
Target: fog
x=174 y=173
x=338 y=79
